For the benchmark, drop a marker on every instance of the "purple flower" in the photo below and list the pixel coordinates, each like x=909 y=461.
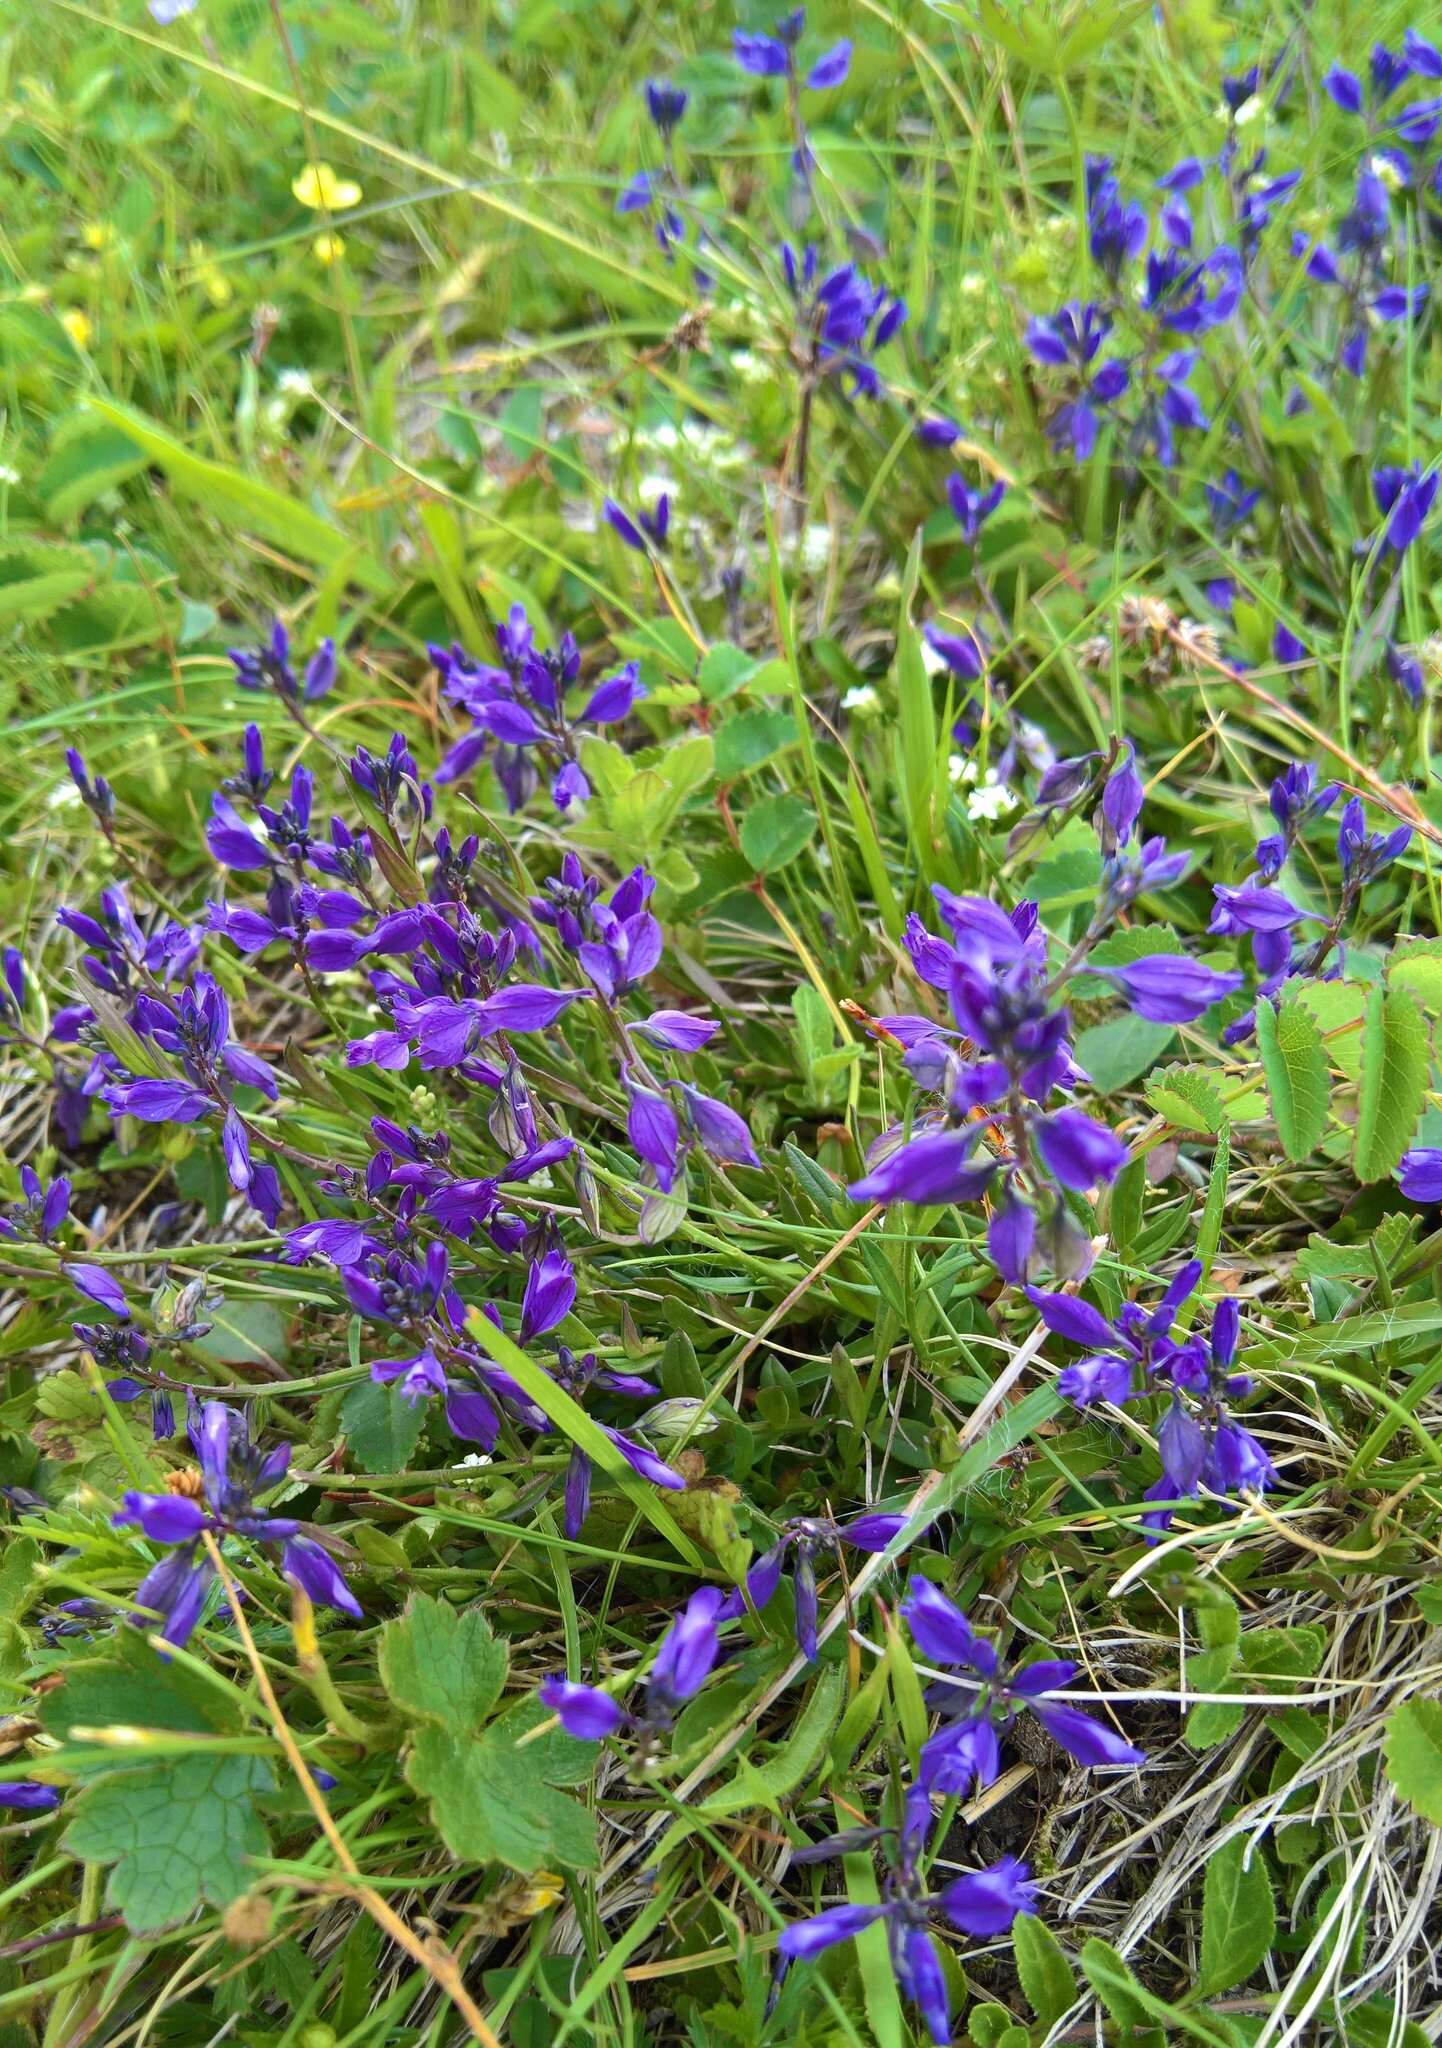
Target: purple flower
x=984 y=1903
x=24 y=1796
x=935 y=1168
x=585 y=1712
x=233 y=1471
x=654 y=1131
x=937 y=432
x=1171 y=988
x=269 y=668
x=1076 y=1151
x=1420 y=1174
x=686 y=1655
x=1122 y=799
x=972 y=508
x=41 y=1212
x=1127 y=1350
x=962 y=652
x=1230 y=503
x=831 y=69
x=98 y=1286
x=645 y=531
x=1405 y=670
x=987 y=1693
x=804 y=1939
x=665 y=103
x=1253 y=908
x=678 y=1030
x=1404 y=497
x=762 y=56
x=550 y=1292
x=722 y=1132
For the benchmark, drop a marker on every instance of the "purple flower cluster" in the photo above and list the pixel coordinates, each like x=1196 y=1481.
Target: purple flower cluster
x=980 y=1903
x=233 y=1471
x=520 y=719
x=993 y=1131
x=1260 y=907
x=1199 y=1440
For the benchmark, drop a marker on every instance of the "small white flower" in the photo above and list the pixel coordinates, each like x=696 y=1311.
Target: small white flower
x=992 y=800
x=862 y=698
x=294 y=383
x=815 y=548
x=473 y=1461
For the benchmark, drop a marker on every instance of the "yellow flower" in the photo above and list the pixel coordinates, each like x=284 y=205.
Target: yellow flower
x=210 y=277
x=98 y=234
x=328 y=249
x=319 y=188
x=77 y=326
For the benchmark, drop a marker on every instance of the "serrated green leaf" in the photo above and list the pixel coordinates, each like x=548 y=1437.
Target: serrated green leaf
x=1296 y=1069
x=491 y=1802
x=1337 y=1007
x=750 y=738
x=775 y=830
x=443 y=1665
x=1046 y=1975
x=87 y=458
x=1128 y=2000
x=1239 y=1916
x=1393 y=1089
x=178 y=1833
x=1412 y=1747
x=1187 y=1097
x=381 y=1425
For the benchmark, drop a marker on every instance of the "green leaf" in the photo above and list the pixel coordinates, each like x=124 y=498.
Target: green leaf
x=750 y=738
x=381 y=1425
x=443 y=1665
x=1393 y=1087
x=1116 y=1052
x=814 y=1033
x=724 y=670
x=1187 y=1097
x=571 y=1419
x=1413 y=1750
x=1295 y=1065
x=775 y=830
x=1128 y=2000
x=1046 y=1975
x=1239 y=1916
x=177 y=1832
x=247 y=1333
x=179 y=1827
x=87 y=458
x=1379 y=2024
x=1337 y=1007
x=793 y=1760
x=492 y=1802
x=244 y=502
x=1110 y=1976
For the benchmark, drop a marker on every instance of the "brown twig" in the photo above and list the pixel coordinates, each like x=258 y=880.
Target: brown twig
x=435 y=1960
